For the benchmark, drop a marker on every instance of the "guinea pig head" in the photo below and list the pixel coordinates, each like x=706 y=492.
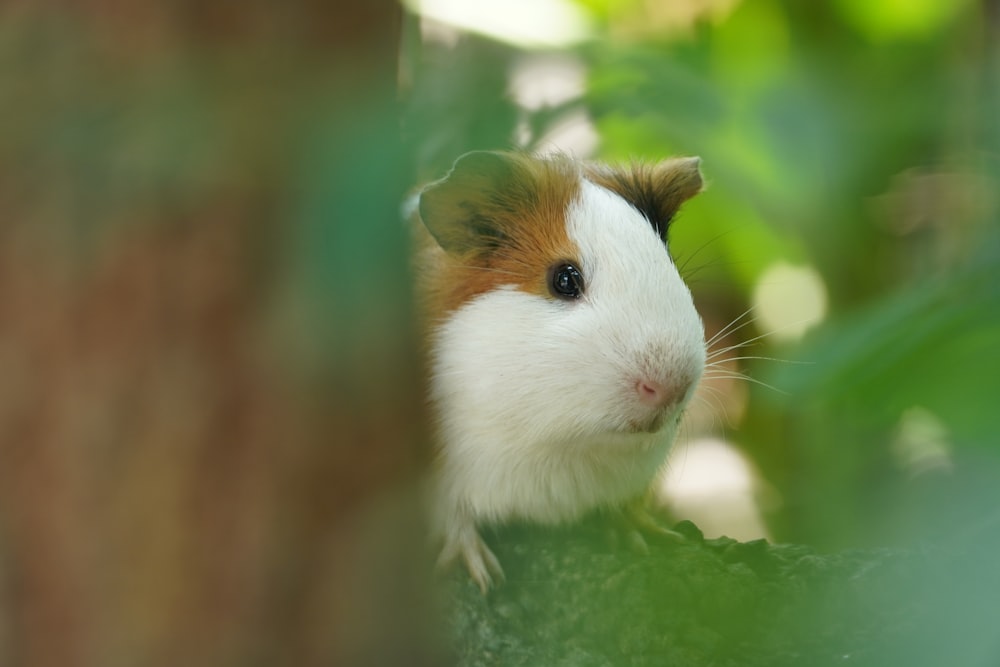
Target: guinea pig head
x=559 y=315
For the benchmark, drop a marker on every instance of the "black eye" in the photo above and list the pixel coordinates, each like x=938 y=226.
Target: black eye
x=565 y=281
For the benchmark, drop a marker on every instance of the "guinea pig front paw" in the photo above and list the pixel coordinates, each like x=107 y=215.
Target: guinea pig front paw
x=634 y=524
x=468 y=546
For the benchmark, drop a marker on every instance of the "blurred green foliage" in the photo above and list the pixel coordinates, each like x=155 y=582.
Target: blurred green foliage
x=856 y=138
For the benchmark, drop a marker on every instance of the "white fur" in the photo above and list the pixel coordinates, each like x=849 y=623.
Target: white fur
x=536 y=397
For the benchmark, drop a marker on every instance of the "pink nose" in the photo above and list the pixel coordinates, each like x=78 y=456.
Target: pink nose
x=660 y=394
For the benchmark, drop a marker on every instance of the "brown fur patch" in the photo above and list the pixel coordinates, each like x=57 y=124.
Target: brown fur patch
x=655 y=190
x=504 y=228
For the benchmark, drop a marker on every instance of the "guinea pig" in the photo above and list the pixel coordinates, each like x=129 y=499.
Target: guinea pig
x=562 y=345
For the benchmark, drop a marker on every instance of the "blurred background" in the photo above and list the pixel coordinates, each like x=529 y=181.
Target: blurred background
x=209 y=404
x=210 y=410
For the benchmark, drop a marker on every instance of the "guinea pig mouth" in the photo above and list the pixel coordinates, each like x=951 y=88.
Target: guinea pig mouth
x=653 y=424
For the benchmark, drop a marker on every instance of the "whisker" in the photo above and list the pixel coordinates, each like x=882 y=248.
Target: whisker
x=715 y=353
x=712 y=356
x=790 y=325
x=717 y=413
x=714 y=363
x=716 y=407
x=687 y=260
x=729 y=327
x=734 y=375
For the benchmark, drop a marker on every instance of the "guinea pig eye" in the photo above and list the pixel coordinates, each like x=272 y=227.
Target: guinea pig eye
x=565 y=281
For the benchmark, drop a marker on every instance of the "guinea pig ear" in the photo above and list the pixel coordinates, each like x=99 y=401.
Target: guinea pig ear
x=657 y=191
x=457 y=209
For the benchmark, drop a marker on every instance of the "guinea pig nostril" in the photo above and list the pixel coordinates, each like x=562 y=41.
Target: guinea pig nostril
x=666 y=392
x=654 y=393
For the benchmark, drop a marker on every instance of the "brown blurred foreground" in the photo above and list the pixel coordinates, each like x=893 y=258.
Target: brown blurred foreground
x=208 y=405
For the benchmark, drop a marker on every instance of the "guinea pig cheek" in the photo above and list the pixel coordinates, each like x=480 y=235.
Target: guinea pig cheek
x=513 y=363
